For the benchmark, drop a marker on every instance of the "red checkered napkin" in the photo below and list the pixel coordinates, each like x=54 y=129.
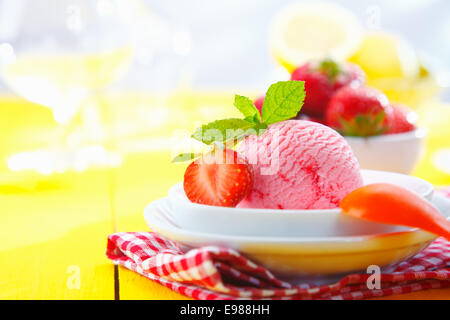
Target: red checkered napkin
x=212 y=272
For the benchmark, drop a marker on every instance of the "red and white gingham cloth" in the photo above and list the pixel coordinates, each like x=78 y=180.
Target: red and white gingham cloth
x=212 y=272
x=217 y=273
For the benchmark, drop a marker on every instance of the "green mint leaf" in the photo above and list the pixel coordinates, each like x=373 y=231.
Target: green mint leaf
x=186 y=157
x=224 y=130
x=261 y=128
x=256 y=119
x=247 y=108
x=283 y=101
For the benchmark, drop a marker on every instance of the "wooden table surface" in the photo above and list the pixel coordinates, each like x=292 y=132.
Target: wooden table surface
x=54 y=227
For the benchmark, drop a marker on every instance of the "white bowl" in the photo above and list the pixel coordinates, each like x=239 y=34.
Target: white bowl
x=276 y=222
x=389 y=152
x=317 y=257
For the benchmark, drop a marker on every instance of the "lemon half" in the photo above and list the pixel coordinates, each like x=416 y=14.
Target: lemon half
x=312 y=31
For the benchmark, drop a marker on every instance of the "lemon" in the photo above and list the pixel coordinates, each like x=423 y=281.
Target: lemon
x=384 y=55
x=312 y=31
x=392 y=66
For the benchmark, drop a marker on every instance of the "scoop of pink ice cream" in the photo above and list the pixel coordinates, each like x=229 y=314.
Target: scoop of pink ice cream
x=299 y=164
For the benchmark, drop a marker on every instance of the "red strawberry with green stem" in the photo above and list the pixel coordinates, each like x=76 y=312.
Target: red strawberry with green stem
x=322 y=79
x=219 y=178
x=359 y=111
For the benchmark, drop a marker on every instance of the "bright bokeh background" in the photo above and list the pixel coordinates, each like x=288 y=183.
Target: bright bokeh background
x=93 y=146
x=180 y=65
x=223 y=44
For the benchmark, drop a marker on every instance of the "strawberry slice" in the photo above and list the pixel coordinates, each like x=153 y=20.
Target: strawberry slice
x=220 y=178
x=391 y=204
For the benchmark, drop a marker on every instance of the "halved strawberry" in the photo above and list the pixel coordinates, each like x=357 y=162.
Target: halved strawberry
x=220 y=178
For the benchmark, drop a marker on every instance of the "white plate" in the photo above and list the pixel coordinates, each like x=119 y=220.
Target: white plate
x=276 y=222
x=318 y=256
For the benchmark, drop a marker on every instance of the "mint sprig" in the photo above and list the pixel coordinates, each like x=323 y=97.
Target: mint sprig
x=283 y=101
x=247 y=108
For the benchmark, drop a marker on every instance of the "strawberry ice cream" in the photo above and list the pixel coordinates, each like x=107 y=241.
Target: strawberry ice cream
x=299 y=164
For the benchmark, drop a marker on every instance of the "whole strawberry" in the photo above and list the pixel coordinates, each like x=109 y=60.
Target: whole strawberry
x=359 y=111
x=401 y=119
x=220 y=178
x=322 y=79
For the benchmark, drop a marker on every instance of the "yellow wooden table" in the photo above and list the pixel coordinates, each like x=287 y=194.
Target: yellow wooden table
x=54 y=228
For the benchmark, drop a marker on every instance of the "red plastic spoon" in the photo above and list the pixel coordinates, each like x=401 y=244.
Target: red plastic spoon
x=391 y=204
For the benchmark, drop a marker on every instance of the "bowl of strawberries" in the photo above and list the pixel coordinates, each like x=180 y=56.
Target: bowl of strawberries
x=382 y=134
